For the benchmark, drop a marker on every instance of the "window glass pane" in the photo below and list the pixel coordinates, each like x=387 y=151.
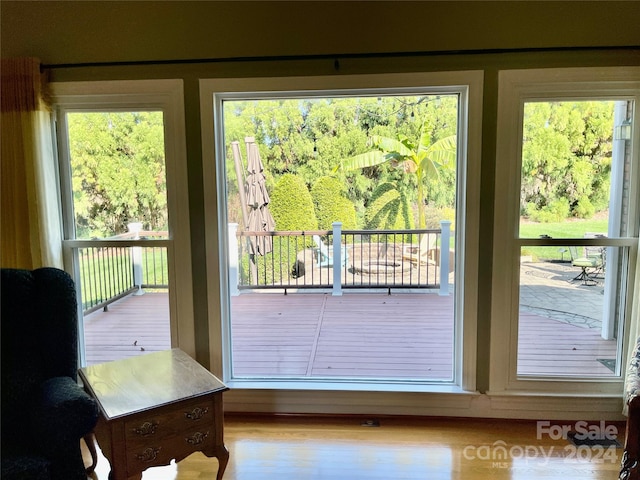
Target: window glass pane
x=118 y=173
x=567 y=157
x=119 y=193
x=569 y=311
x=574 y=184
x=385 y=167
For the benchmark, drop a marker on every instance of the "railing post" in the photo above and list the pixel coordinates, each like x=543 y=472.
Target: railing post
x=337 y=259
x=136 y=255
x=445 y=236
x=233 y=260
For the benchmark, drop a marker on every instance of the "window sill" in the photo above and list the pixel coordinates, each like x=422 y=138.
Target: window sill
x=307 y=385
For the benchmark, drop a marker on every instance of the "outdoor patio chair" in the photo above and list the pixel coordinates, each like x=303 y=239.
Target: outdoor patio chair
x=423 y=252
x=590 y=263
x=325 y=256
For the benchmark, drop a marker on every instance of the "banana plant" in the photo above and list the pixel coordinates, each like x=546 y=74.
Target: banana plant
x=424 y=160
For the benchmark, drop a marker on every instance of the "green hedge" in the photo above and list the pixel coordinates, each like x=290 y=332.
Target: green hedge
x=291 y=205
x=331 y=204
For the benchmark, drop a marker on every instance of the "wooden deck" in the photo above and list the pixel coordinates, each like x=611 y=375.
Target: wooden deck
x=357 y=335
x=132 y=326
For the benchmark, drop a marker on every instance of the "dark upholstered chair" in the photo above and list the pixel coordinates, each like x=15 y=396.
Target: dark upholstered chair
x=44 y=411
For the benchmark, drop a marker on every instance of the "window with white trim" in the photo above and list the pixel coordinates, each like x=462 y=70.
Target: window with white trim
x=566 y=228
x=215 y=93
x=125 y=213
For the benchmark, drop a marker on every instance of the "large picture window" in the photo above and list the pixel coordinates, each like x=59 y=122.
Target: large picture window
x=345 y=212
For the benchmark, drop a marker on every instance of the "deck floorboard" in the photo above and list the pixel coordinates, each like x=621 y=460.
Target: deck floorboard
x=399 y=336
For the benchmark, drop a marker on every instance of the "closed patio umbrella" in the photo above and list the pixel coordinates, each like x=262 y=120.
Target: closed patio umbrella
x=257 y=198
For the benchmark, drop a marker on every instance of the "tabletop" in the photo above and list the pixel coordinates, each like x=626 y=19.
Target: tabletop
x=132 y=385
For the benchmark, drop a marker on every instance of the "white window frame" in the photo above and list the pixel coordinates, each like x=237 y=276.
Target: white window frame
x=212 y=91
x=157 y=95
x=516 y=87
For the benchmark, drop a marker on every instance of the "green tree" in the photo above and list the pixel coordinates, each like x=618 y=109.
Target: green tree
x=309 y=137
x=566 y=159
x=420 y=160
x=118 y=171
x=389 y=208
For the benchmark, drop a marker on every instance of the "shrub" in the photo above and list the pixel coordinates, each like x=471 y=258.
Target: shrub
x=292 y=210
x=331 y=204
x=584 y=208
x=291 y=205
x=556 y=211
x=433 y=216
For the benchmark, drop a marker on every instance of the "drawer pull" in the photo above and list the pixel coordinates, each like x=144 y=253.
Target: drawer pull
x=147 y=428
x=197 y=413
x=197 y=438
x=149 y=454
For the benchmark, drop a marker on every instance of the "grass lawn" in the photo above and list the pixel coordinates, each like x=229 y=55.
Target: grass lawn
x=567 y=229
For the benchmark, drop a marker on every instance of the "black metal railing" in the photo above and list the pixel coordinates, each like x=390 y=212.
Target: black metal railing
x=371 y=259
x=393 y=259
x=155 y=271
x=109 y=271
x=358 y=259
x=106 y=274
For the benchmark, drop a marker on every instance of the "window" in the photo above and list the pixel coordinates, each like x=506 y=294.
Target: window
x=305 y=253
x=123 y=185
x=566 y=229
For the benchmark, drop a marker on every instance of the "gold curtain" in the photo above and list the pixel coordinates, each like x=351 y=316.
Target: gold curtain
x=30 y=235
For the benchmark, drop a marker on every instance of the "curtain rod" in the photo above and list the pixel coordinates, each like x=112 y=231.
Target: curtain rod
x=336 y=57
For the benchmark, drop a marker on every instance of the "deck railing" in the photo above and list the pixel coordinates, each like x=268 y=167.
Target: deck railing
x=112 y=268
x=341 y=259
x=106 y=274
x=335 y=259
x=109 y=272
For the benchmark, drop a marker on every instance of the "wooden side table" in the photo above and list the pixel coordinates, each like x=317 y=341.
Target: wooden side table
x=156 y=408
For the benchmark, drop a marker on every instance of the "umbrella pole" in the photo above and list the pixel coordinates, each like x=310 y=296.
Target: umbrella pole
x=238 y=163
x=237 y=160
x=254 y=269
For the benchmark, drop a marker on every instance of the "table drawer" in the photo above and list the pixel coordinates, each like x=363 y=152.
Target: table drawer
x=161 y=451
x=169 y=420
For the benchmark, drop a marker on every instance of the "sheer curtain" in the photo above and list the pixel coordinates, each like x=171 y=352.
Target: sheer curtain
x=30 y=228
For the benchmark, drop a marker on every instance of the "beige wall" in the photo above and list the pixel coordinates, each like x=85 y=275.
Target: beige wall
x=69 y=32
x=95 y=31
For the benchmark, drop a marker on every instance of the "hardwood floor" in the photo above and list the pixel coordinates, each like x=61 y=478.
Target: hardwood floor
x=328 y=448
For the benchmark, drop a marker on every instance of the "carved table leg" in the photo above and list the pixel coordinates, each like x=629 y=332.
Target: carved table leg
x=134 y=477
x=222 y=454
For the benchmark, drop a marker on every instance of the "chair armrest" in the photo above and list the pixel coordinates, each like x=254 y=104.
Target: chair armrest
x=63 y=412
x=410 y=249
x=632 y=380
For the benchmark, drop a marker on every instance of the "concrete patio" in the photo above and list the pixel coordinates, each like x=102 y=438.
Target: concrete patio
x=549 y=289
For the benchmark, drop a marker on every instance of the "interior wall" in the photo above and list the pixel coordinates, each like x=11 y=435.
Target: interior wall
x=474 y=35
x=108 y=31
